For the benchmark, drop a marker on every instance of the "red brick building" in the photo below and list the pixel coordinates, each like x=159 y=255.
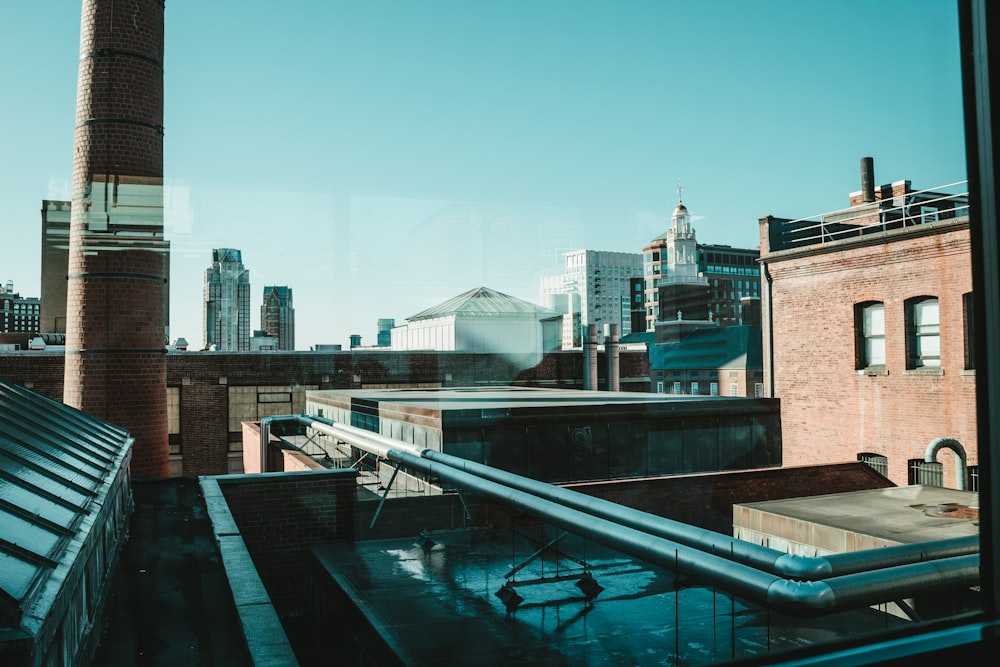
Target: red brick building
x=867 y=327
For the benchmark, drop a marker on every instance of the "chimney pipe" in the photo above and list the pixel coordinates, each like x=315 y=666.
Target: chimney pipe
x=590 y=358
x=612 y=355
x=867 y=180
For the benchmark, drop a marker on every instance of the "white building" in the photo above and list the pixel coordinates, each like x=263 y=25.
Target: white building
x=480 y=320
x=597 y=282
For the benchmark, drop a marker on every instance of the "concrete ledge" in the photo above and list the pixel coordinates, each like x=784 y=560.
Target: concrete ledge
x=265 y=637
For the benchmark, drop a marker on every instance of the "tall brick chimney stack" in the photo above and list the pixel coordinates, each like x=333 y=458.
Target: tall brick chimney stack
x=118 y=258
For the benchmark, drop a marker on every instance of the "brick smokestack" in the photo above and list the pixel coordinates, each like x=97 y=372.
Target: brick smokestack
x=118 y=259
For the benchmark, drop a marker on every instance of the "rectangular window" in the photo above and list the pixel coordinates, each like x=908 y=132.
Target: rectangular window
x=876 y=461
x=734 y=389
x=659 y=388
x=969 y=327
x=923 y=340
x=677 y=387
x=926 y=474
x=870 y=323
x=713 y=389
x=694 y=388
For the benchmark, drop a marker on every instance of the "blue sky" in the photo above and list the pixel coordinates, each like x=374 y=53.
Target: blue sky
x=379 y=157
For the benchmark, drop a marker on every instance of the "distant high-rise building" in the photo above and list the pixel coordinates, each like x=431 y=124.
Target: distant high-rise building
x=733 y=275
x=277 y=316
x=385 y=326
x=227 y=301
x=55 y=263
x=17 y=314
x=676 y=261
x=599 y=285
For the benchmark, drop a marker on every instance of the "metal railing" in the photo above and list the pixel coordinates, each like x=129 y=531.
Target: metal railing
x=899 y=211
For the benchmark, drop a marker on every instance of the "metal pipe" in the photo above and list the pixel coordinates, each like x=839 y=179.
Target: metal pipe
x=935 y=445
x=750 y=571
x=612 y=356
x=775 y=591
x=755 y=555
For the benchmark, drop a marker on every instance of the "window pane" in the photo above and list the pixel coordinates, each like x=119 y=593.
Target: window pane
x=875 y=320
x=875 y=351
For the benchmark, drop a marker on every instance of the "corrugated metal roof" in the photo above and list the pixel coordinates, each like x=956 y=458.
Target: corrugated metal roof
x=54 y=461
x=483 y=302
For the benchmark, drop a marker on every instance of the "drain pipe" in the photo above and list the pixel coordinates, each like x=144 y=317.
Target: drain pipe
x=265 y=437
x=707 y=541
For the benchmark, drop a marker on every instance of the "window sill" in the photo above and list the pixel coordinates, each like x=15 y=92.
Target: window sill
x=969 y=371
x=873 y=370
x=925 y=370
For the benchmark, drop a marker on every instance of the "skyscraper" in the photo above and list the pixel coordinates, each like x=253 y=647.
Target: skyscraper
x=277 y=316
x=597 y=286
x=227 y=301
x=118 y=258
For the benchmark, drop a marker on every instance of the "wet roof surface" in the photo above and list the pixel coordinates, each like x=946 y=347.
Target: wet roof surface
x=54 y=463
x=439 y=605
x=169 y=601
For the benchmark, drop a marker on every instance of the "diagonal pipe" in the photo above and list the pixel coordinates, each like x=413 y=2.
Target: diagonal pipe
x=752 y=572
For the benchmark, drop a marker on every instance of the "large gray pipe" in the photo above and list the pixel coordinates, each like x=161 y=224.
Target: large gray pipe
x=930 y=456
x=612 y=356
x=774 y=591
x=590 y=357
x=704 y=541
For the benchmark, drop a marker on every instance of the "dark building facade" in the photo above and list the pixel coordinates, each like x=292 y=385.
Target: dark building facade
x=18 y=314
x=277 y=315
x=55 y=261
x=118 y=258
x=733 y=274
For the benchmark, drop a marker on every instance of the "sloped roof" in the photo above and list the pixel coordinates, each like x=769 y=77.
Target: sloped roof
x=483 y=302
x=736 y=347
x=55 y=466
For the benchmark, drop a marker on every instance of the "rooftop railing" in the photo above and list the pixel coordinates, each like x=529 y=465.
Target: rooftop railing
x=907 y=209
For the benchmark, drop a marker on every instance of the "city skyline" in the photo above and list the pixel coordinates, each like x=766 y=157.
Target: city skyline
x=381 y=158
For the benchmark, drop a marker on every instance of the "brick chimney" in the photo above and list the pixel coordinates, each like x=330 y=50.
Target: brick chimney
x=118 y=259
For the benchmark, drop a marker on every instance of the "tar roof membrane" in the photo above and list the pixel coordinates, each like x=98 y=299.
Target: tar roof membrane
x=55 y=465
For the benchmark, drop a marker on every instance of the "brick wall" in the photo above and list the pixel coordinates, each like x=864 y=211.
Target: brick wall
x=831 y=411
x=280 y=514
x=204 y=378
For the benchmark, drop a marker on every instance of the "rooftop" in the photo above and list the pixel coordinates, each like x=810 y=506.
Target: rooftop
x=437 y=604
